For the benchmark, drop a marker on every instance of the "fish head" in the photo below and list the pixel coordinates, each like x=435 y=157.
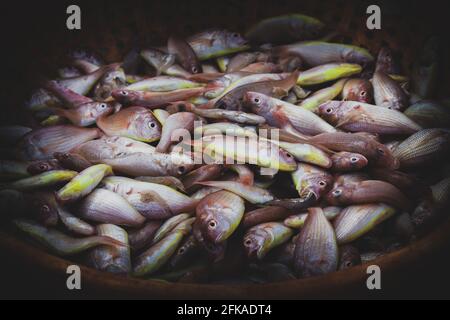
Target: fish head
x=254 y=243
x=257 y=101
x=340 y=195
x=360 y=90
x=318 y=184
x=147 y=126
x=125 y=96
x=214 y=227
x=99 y=109
x=233 y=40
x=350 y=161
x=331 y=111
x=286 y=161
x=182 y=164
x=41 y=166
x=383 y=157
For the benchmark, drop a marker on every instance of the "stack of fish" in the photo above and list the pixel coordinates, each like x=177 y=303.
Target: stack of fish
x=306 y=148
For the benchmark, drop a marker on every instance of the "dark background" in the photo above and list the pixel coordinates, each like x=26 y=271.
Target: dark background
x=34 y=37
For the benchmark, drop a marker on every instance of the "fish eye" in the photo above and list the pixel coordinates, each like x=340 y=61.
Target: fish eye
x=329 y=110
x=45 y=208
x=323 y=183
x=194 y=69
x=337 y=192
x=212 y=224
x=248 y=242
x=354 y=159
x=125 y=93
x=181 y=169
x=362 y=93
x=380 y=151
x=235 y=35
x=257 y=101
x=152 y=125
x=103 y=105
x=181 y=251
x=43 y=166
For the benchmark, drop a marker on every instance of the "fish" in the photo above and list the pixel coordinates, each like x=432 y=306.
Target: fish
x=294 y=204
x=306 y=153
x=357 y=116
x=230 y=115
x=388 y=93
x=369 y=191
x=240 y=61
x=13 y=170
x=315 y=53
x=263 y=215
x=169 y=225
x=297 y=221
x=327 y=72
x=316 y=249
x=163 y=63
x=111 y=80
x=387 y=62
x=311 y=181
x=357 y=89
x=348 y=161
x=219 y=214
x=375 y=152
x=45 y=179
x=105 y=206
x=187 y=251
x=262 y=238
x=169 y=181
x=83 y=183
x=247 y=150
x=357 y=220
x=135 y=122
x=41 y=144
x=216 y=43
x=232 y=100
x=42 y=207
x=96 y=151
x=406 y=182
x=157 y=255
x=222 y=63
x=252 y=194
x=317 y=98
x=155 y=164
x=429 y=114
x=224 y=128
x=73 y=223
x=153 y=99
x=423 y=147
x=150 y=199
x=72 y=161
x=114 y=259
x=215 y=251
x=175 y=127
x=262 y=67
x=286 y=116
x=60 y=243
x=163 y=84
x=184 y=54
x=143 y=237
x=285 y=29
x=203 y=173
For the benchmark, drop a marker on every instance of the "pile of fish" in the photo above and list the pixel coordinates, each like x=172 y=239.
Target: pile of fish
x=224 y=159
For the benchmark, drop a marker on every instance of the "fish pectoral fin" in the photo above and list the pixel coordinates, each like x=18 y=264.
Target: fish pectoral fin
x=352 y=117
x=279 y=92
x=151 y=196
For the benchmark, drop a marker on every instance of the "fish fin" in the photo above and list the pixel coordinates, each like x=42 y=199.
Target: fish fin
x=352 y=116
x=151 y=196
x=279 y=92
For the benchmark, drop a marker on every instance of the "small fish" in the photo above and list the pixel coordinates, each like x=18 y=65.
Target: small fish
x=163 y=84
x=263 y=215
x=297 y=221
x=45 y=179
x=429 y=114
x=286 y=116
x=174 y=128
x=184 y=54
x=215 y=251
x=388 y=93
x=219 y=214
x=114 y=259
x=317 y=98
x=71 y=161
x=310 y=180
x=374 y=151
x=216 y=43
x=96 y=151
x=357 y=220
x=153 y=99
x=81 y=185
x=306 y=153
x=316 y=250
x=155 y=164
x=224 y=128
x=135 y=122
x=369 y=191
x=73 y=223
x=357 y=116
x=187 y=251
x=42 y=143
x=295 y=204
x=327 y=72
x=143 y=237
x=111 y=80
x=163 y=63
x=230 y=115
x=105 y=206
x=285 y=29
x=262 y=238
x=252 y=194
x=423 y=147
x=348 y=161
x=349 y=256
x=153 y=200
x=60 y=243
x=386 y=62
x=315 y=53
x=42 y=207
x=360 y=90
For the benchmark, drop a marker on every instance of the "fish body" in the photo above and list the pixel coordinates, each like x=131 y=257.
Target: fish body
x=163 y=84
x=184 y=54
x=175 y=127
x=388 y=93
x=316 y=99
x=327 y=72
x=45 y=179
